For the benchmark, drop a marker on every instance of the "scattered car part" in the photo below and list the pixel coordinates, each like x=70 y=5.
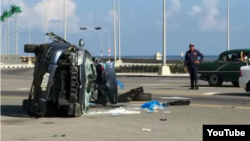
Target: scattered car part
x=130 y=95
x=179 y=103
x=146 y=129
x=143 y=97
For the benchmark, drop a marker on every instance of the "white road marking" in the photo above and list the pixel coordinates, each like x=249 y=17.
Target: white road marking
x=210 y=93
x=154 y=84
x=23 y=89
x=167 y=97
x=167 y=81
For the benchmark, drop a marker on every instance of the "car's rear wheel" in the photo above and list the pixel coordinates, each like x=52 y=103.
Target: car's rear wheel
x=215 y=80
x=235 y=83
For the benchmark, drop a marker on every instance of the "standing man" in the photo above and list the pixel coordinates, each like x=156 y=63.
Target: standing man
x=191 y=63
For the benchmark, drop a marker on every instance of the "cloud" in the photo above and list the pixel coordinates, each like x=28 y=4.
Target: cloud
x=54 y=13
x=174 y=8
x=209 y=16
x=195 y=10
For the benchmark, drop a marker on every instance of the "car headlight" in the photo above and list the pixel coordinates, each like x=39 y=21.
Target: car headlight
x=79 y=58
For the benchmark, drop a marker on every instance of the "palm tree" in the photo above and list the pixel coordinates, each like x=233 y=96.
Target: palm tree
x=5 y=18
x=1 y=35
x=15 y=10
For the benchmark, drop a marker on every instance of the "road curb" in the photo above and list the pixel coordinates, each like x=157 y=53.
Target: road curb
x=16 y=66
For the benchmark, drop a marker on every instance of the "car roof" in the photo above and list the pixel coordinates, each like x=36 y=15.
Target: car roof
x=236 y=51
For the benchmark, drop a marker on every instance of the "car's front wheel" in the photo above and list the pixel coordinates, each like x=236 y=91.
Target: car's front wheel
x=215 y=80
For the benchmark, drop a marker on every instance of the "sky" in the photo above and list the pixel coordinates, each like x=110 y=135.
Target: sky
x=202 y=22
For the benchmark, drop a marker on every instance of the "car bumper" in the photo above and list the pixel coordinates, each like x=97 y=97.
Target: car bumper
x=242 y=82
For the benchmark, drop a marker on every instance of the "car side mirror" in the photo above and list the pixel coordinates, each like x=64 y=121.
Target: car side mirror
x=81 y=43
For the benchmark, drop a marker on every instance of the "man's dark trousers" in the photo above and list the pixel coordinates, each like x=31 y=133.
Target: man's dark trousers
x=193 y=70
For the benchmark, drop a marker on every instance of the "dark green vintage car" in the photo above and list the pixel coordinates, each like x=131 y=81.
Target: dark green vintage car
x=225 y=69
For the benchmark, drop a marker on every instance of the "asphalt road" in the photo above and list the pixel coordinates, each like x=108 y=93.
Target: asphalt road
x=209 y=105
x=16 y=84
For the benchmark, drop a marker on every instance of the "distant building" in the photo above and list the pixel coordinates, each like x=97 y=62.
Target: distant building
x=158 y=56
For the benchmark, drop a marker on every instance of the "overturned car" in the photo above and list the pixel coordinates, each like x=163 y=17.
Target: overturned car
x=66 y=78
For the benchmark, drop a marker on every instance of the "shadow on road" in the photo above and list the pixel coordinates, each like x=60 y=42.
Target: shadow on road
x=17 y=71
x=235 y=94
x=15 y=93
x=13 y=111
x=223 y=86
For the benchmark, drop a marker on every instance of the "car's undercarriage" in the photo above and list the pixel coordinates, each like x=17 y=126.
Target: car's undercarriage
x=66 y=77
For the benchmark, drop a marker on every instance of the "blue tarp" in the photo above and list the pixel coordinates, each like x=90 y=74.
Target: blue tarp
x=153 y=105
x=120 y=84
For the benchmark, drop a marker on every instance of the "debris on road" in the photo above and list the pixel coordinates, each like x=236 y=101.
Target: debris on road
x=167 y=112
x=114 y=112
x=48 y=122
x=120 y=84
x=136 y=94
x=143 y=97
x=146 y=129
x=130 y=95
x=153 y=105
x=62 y=135
x=179 y=102
x=163 y=119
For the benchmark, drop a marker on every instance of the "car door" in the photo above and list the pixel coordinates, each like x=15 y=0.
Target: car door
x=207 y=69
x=220 y=64
x=110 y=77
x=230 y=71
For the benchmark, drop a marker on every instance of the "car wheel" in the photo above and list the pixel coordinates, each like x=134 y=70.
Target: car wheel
x=215 y=80
x=143 y=97
x=25 y=102
x=235 y=83
x=248 y=88
x=51 y=110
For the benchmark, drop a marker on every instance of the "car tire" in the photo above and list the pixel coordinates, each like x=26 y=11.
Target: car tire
x=25 y=102
x=215 y=80
x=235 y=83
x=30 y=48
x=51 y=110
x=143 y=97
x=248 y=87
